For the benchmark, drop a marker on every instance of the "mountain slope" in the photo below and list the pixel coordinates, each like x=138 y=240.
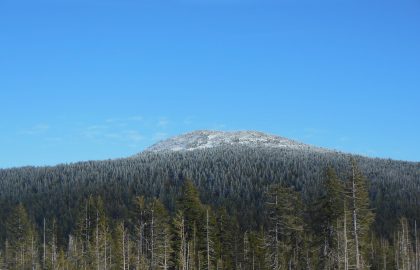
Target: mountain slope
x=233 y=170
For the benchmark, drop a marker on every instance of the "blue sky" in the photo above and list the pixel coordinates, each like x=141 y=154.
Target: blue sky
x=83 y=80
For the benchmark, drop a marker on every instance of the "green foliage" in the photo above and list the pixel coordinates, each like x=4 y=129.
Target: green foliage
x=286 y=232
x=362 y=215
x=325 y=216
x=21 y=244
x=231 y=177
x=227 y=230
x=142 y=232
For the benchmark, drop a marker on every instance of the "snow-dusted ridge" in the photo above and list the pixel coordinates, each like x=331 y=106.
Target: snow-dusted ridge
x=203 y=139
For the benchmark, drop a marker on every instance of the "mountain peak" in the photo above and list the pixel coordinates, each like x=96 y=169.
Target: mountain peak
x=202 y=139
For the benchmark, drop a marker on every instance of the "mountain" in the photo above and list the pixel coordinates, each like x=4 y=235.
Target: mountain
x=230 y=169
x=203 y=139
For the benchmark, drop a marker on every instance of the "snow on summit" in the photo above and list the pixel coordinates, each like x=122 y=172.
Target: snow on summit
x=203 y=139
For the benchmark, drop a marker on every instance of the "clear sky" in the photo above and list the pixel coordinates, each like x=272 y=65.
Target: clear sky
x=89 y=79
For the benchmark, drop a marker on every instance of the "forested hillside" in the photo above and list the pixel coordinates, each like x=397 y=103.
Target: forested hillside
x=235 y=207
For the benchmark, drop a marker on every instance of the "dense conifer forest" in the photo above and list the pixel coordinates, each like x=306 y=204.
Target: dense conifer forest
x=219 y=208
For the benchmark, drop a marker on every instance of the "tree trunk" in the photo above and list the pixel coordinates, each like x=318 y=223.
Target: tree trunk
x=152 y=258
x=44 y=247
x=417 y=245
x=97 y=240
x=123 y=245
x=346 y=259
x=355 y=230
x=208 y=239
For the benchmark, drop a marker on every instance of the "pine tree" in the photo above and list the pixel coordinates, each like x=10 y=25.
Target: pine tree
x=326 y=213
x=85 y=234
x=62 y=262
x=101 y=237
x=285 y=238
x=74 y=253
x=406 y=254
x=120 y=248
x=180 y=241
x=51 y=249
x=209 y=231
x=362 y=215
x=2 y=266
x=194 y=216
x=224 y=246
x=140 y=218
x=160 y=236
x=21 y=240
x=260 y=251
x=190 y=204
x=247 y=260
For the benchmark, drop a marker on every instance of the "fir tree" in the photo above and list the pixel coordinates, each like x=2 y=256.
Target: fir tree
x=361 y=216
x=286 y=232
x=327 y=214
x=21 y=247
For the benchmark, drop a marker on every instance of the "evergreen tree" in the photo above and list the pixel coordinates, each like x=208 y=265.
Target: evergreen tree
x=190 y=204
x=140 y=220
x=101 y=237
x=194 y=216
x=2 y=262
x=120 y=248
x=210 y=238
x=285 y=238
x=21 y=246
x=180 y=241
x=327 y=214
x=51 y=249
x=362 y=215
x=226 y=230
x=160 y=236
